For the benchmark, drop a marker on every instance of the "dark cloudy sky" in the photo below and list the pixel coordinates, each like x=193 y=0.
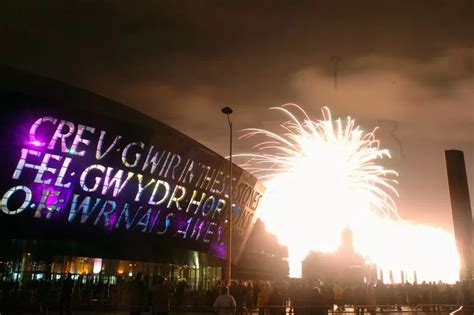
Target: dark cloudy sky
x=406 y=66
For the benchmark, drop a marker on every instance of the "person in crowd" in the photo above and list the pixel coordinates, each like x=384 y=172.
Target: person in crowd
x=415 y=295
x=43 y=296
x=225 y=303
x=360 y=298
x=161 y=296
x=262 y=300
x=181 y=292
x=256 y=292
x=449 y=297
x=308 y=302
x=434 y=296
x=65 y=298
x=470 y=291
x=234 y=290
x=347 y=295
x=381 y=295
x=318 y=304
x=390 y=295
x=400 y=296
x=276 y=303
x=371 y=299
x=326 y=295
x=459 y=289
x=285 y=292
x=239 y=298
x=440 y=296
x=328 y=291
x=339 y=296
x=216 y=290
x=295 y=298
x=300 y=297
x=248 y=297
x=137 y=295
x=210 y=298
x=425 y=296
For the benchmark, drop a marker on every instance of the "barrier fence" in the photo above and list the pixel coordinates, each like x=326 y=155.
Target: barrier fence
x=268 y=310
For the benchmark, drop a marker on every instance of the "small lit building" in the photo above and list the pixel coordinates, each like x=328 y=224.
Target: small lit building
x=342 y=265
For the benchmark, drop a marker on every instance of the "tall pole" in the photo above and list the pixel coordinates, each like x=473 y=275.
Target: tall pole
x=336 y=60
x=228 y=263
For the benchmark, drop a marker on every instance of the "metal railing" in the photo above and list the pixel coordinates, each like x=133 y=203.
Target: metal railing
x=267 y=310
x=457 y=311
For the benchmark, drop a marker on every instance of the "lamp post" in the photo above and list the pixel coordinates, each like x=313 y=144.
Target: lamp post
x=228 y=262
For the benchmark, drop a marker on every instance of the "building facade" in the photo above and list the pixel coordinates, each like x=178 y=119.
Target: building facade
x=94 y=188
x=263 y=257
x=343 y=265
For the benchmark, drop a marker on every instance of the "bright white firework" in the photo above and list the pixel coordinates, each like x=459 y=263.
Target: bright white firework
x=323 y=176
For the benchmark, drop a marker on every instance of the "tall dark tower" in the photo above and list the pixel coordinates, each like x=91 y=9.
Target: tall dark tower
x=461 y=209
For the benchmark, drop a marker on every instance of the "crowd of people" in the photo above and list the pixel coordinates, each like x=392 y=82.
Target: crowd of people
x=305 y=297
x=301 y=297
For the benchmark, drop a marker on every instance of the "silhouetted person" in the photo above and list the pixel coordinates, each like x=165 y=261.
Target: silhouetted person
x=161 y=297
x=137 y=295
x=434 y=296
x=318 y=302
x=225 y=303
x=239 y=295
x=234 y=291
x=181 y=292
x=262 y=300
x=415 y=296
x=339 y=296
x=210 y=298
x=360 y=298
x=371 y=299
x=248 y=297
x=327 y=298
x=425 y=296
x=297 y=299
x=276 y=302
x=307 y=300
x=65 y=298
x=256 y=291
x=43 y=295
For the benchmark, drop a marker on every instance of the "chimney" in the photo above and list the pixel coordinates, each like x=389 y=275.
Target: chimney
x=461 y=209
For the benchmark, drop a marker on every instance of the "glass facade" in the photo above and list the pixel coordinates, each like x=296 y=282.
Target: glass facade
x=27 y=269
x=96 y=280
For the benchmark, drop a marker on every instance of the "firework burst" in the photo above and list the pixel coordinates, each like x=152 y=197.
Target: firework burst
x=340 y=143
x=324 y=176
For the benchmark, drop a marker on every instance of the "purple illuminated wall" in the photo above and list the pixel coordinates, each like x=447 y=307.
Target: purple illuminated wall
x=73 y=170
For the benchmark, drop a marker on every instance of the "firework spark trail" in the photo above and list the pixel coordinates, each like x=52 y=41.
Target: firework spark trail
x=323 y=176
x=359 y=151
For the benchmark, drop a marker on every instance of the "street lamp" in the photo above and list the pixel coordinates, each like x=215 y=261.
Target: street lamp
x=228 y=263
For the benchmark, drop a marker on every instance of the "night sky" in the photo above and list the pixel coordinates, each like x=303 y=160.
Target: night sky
x=406 y=66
